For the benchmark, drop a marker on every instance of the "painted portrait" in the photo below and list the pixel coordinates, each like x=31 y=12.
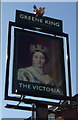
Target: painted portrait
x=39 y=58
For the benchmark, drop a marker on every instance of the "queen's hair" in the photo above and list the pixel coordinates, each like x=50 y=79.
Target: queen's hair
x=39 y=48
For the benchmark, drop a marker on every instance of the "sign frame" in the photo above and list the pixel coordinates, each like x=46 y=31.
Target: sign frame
x=8 y=63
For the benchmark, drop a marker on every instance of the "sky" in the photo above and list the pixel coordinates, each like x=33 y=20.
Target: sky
x=65 y=11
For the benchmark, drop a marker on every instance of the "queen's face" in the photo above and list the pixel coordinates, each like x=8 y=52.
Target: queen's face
x=38 y=59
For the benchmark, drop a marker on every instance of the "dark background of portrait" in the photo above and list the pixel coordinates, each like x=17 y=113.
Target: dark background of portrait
x=55 y=66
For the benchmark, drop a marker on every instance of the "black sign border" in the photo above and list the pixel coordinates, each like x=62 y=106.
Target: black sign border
x=7 y=97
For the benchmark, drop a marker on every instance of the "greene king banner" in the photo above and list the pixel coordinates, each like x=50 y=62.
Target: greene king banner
x=41 y=23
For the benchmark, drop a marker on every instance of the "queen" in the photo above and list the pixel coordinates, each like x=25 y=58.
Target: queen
x=35 y=72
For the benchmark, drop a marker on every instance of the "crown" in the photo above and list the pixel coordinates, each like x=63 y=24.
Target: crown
x=38 y=47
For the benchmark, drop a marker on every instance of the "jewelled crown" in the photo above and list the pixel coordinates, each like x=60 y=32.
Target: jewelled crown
x=38 y=47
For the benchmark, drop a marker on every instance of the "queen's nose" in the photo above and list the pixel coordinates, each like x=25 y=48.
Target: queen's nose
x=39 y=59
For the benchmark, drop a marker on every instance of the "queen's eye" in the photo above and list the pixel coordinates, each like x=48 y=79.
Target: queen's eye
x=35 y=56
x=42 y=58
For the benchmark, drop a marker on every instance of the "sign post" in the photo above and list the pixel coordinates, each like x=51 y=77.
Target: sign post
x=33 y=112
x=41 y=112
